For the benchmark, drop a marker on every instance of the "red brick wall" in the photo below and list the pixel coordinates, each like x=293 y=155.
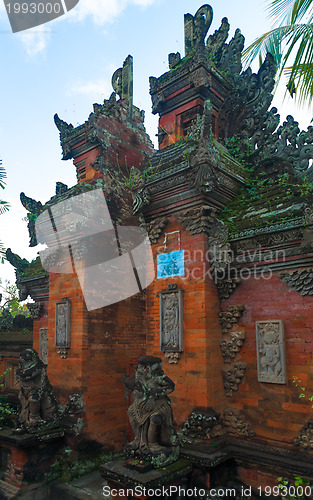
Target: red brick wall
x=196 y=375
x=275 y=411
x=105 y=344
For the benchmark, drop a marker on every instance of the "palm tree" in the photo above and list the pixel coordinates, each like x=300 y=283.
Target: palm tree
x=4 y=206
x=291 y=44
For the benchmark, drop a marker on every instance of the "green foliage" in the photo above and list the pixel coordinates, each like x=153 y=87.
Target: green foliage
x=4 y=207
x=10 y=301
x=234 y=146
x=297 y=488
x=291 y=44
x=265 y=192
x=10 y=306
x=66 y=468
x=303 y=394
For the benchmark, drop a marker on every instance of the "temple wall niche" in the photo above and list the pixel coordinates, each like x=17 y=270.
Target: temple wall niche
x=275 y=410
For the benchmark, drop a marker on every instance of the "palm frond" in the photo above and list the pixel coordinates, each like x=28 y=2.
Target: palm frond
x=273 y=40
x=2 y=175
x=4 y=206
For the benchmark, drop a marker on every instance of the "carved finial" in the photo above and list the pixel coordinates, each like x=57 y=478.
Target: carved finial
x=196 y=27
x=30 y=204
x=60 y=188
x=206 y=126
x=62 y=126
x=16 y=261
x=122 y=82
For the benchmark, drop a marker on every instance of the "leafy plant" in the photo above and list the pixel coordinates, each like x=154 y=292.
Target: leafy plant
x=9 y=300
x=297 y=488
x=303 y=394
x=290 y=42
x=4 y=207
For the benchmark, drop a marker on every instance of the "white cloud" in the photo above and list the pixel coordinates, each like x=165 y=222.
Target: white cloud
x=103 y=11
x=91 y=88
x=35 y=39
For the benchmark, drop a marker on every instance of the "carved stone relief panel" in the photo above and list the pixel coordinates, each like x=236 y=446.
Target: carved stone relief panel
x=11 y=379
x=43 y=345
x=63 y=324
x=271 y=358
x=171 y=320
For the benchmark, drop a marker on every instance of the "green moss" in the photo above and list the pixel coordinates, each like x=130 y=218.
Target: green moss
x=34 y=269
x=265 y=201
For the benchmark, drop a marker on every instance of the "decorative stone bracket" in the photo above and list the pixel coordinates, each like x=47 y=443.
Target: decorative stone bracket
x=305 y=436
x=231 y=346
x=233 y=377
x=301 y=280
x=230 y=318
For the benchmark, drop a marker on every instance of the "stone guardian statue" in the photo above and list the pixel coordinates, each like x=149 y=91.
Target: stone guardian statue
x=39 y=408
x=150 y=414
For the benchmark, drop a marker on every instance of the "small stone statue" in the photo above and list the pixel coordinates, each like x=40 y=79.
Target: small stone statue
x=39 y=406
x=150 y=414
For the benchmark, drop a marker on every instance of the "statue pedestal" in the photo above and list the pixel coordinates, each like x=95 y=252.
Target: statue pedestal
x=141 y=484
x=25 y=458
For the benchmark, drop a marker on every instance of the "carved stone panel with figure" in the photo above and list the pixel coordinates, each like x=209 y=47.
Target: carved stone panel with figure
x=63 y=324
x=171 y=321
x=271 y=358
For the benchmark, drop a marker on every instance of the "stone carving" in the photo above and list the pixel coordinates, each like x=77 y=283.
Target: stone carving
x=150 y=414
x=233 y=377
x=203 y=424
x=305 y=436
x=63 y=353
x=196 y=28
x=301 y=280
x=64 y=128
x=155 y=228
x=16 y=261
x=226 y=286
x=173 y=60
x=35 y=309
x=197 y=220
x=244 y=111
x=230 y=318
x=206 y=157
x=231 y=346
x=172 y=357
x=122 y=82
x=63 y=324
x=39 y=408
x=235 y=423
x=215 y=43
x=43 y=345
x=171 y=321
x=141 y=194
x=271 y=357
x=220 y=253
x=307 y=231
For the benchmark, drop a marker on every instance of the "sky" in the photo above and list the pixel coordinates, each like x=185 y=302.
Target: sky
x=66 y=65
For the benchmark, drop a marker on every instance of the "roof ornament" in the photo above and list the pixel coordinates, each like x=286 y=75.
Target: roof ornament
x=122 y=82
x=196 y=27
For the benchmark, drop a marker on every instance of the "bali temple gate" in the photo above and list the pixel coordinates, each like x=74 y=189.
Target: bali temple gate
x=226 y=303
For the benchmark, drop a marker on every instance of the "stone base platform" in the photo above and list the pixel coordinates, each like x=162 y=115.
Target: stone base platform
x=142 y=485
